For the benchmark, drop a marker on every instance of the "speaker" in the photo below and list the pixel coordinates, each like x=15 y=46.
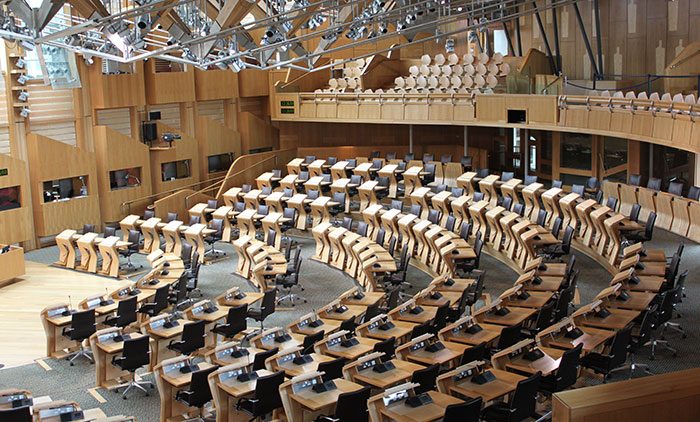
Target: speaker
x=150 y=132
x=154 y=115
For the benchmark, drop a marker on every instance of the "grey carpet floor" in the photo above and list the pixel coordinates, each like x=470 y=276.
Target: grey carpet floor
x=322 y=284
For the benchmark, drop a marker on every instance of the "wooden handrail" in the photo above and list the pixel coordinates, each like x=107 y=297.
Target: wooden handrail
x=167 y=192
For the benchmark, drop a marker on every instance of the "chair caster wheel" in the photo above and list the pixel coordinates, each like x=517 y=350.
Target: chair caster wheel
x=148 y=395
x=124 y=398
x=684 y=336
x=72 y=364
x=306 y=301
x=153 y=386
x=92 y=363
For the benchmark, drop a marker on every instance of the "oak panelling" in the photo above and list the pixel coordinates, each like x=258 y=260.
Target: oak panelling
x=183 y=149
x=117 y=119
x=491 y=108
x=214 y=138
x=114 y=91
x=114 y=151
x=215 y=84
x=253 y=83
x=169 y=114
x=16 y=223
x=256 y=133
x=247 y=167
x=214 y=110
x=178 y=202
x=168 y=87
x=53 y=160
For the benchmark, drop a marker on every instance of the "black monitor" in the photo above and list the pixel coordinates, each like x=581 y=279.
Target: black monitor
x=214 y=163
x=150 y=132
x=65 y=188
x=169 y=171
x=154 y=115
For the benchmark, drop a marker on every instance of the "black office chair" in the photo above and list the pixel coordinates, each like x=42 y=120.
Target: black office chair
x=521 y=405
x=420 y=329
x=654 y=183
x=481 y=173
x=198 y=393
x=543 y=319
x=428 y=158
x=217 y=225
x=469 y=411
x=467 y=162
x=467 y=266
x=266 y=398
x=88 y=228
x=388 y=347
x=478 y=352
x=136 y=354
x=17 y=414
x=178 y=292
x=676 y=188
x=641 y=339
x=565 y=298
x=236 y=322
x=635 y=180
x=558 y=250
x=159 y=304
x=193 y=278
x=556 y=227
x=172 y=216
x=634 y=212
x=530 y=180
x=260 y=358
x=390 y=156
x=465 y=230
x=109 y=231
x=267 y=307
x=611 y=203
x=333 y=368
x=82 y=326
x=604 y=364
x=426 y=378
x=450 y=222
x=135 y=239
x=557 y=184
x=445 y=158
x=663 y=316
x=430 y=176
x=566 y=373
x=396 y=280
x=541 y=217
x=194 y=219
x=192 y=338
x=409 y=157
x=350 y=407
x=348 y=325
x=507 y=175
x=126 y=313
x=371 y=312
x=694 y=193
x=509 y=336
x=288 y=281
x=309 y=341
x=642 y=235
x=334 y=210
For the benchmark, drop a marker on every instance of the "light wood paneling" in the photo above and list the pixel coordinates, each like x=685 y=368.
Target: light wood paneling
x=168 y=87
x=115 y=151
x=114 y=91
x=53 y=160
x=247 y=167
x=215 y=84
x=214 y=110
x=117 y=119
x=16 y=223
x=256 y=133
x=214 y=138
x=183 y=149
x=253 y=83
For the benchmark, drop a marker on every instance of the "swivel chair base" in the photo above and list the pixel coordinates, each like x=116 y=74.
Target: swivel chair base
x=134 y=384
x=84 y=352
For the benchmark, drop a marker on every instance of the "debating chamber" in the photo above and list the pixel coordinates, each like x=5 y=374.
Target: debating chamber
x=349 y=210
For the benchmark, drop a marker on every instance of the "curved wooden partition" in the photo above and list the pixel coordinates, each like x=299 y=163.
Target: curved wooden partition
x=674 y=213
x=16 y=199
x=659 y=122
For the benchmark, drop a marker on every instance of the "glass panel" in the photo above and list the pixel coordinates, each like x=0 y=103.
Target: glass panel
x=532 y=156
x=125 y=178
x=615 y=152
x=175 y=170
x=576 y=151
x=219 y=162
x=573 y=179
x=9 y=198
x=618 y=177
x=64 y=189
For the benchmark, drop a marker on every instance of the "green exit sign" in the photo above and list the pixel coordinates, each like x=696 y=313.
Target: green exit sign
x=287 y=111
x=287 y=103
x=3 y=172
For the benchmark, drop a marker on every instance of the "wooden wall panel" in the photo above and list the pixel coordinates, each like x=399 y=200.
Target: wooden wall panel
x=117 y=119
x=168 y=87
x=253 y=83
x=52 y=160
x=16 y=223
x=113 y=91
x=256 y=133
x=215 y=84
x=169 y=114
x=213 y=110
x=214 y=138
x=184 y=149
x=59 y=131
x=115 y=151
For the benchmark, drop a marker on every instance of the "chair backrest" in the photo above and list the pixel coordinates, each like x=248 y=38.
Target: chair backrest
x=148 y=214
x=466 y=161
x=478 y=196
x=212 y=203
x=482 y=172
x=268 y=302
x=271 y=237
x=440 y=320
x=136 y=353
x=680 y=283
x=277 y=172
x=288 y=192
x=181 y=287
x=450 y=223
x=199 y=386
x=396 y=204
x=356 y=179
x=339 y=197
x=126 y=311
x=303 y=175
x=565 y=298
x=260 y=358
x=440 y=188
x=379 y=238
x=377 y=163
x=428 y=158
x=509 y=336
x=426 y=378
x=557 y=184
x=390 y=156
x=362 y=228
x=469 y=411
x=409 y=157
x=333 y=368
x=694 y=193
x=348 y=325
x=217 y=224
x=352 y=406
x=544 y=316
x=507 y=175
x=541 y=217
x=240 y=206
x=429 y=168
x=524 y=400
x=420 y=329
x=434 y=216
x=471 y=354
x=110 y=231
x=556 y=227
x=290 y=213
x=267 y=392
x=592 y=183
x=161 y=299
x=263 y=209
x=675 y=188
x=375 y=154
x=388 y=347
x=310 y=340
x=635 y=180
x=530 y=180
x=331 y=160
x=392 y=298
x=352 y=162
x=634 y=212
x=193 y=336
x=371 y=312
x=415 y=210
x=507 y=203
x=577 y=189
x=194 y=219
x=266 y=190
x=17 y=414
x=465 y=229
x=475 y=294
x=649 y=227
x=611 y=203
x=196 y=265
x=134 y=238
x=88 y=228
x=568 y=236
x=236 y=318
x=446 y=158
x=83 y=324
x=654 y=183
x=401 y=165
x=618 y=350
x=347 y=223
x=519 y=209
x=245 y=188
x=457 y=192
x=172 y=216
x=648 y=324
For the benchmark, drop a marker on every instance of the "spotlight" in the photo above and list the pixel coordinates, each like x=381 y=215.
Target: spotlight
x=23 y=96
x=27 y=45
x=22 y=79
x=144 y=22
x=24 y=112
x=20 y=63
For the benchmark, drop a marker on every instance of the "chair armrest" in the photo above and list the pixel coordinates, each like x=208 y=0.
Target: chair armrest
x=183 y=395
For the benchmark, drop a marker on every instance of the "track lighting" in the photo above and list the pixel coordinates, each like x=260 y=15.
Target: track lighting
x=23 y=96
x=24 y=112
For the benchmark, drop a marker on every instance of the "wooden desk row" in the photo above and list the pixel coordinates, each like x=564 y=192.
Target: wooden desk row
x=88 y=245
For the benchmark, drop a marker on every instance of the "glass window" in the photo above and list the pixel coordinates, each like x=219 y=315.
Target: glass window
x=64 y=189
x=576 y=152
x=615 y=152
x=175 y=170
x=220 y=162
x=125 y=178
x=9 y=198
x=573 y=179
x=500 y=42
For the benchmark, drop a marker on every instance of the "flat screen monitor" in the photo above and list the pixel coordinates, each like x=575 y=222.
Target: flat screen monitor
x=65 y=188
